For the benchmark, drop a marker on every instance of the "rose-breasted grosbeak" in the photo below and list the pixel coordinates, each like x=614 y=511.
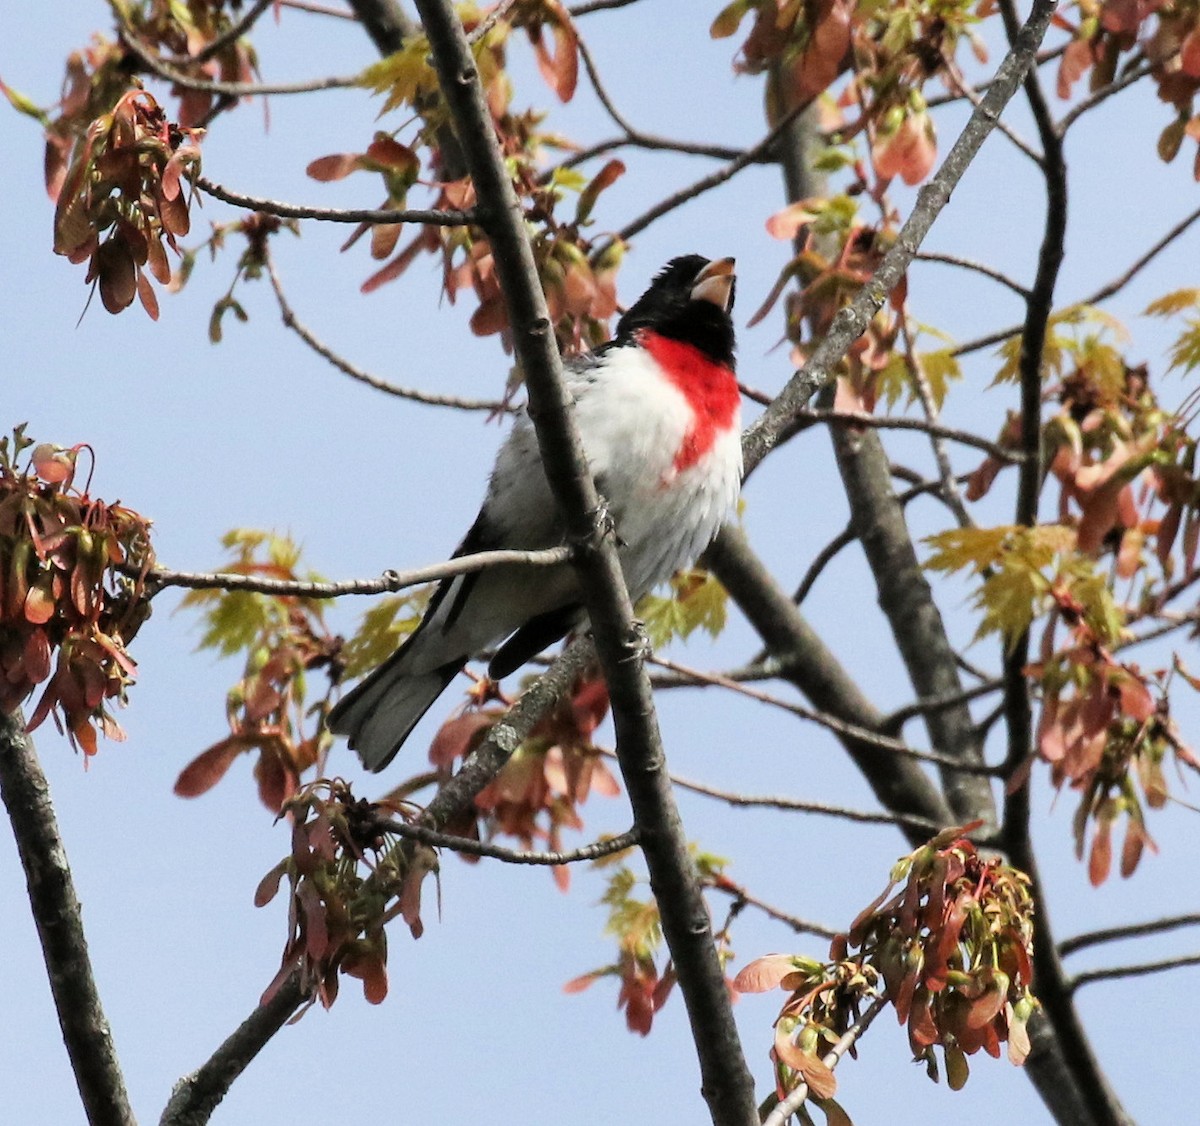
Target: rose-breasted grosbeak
x=658 y=411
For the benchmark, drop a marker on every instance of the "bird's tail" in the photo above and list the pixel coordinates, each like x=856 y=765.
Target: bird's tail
x=379 y=713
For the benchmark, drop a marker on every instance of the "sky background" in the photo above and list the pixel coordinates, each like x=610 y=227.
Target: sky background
x=259 y=432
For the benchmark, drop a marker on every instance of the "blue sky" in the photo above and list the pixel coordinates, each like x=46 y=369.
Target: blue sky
x=257 y=431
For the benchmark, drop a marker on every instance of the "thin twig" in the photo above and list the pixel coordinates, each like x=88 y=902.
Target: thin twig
x=169 y=73
x=1138 y=969
x=897 y=719
x=924 y=426
x=598 y=6
x=373 y=215
x=232 y=33
x=822 y=560
x=862 y=735
x=1129 y=930
x=799 y=925
x=976 y=267
x=1109 y=289
x=59 y=921
x=1103 y=94
x=430 y=398
x=387 y=583
x=755 y=154
x=1119 y=283
x=635 y=136
x=949 y=491
x=318 y=9
x=797 y=1097
x=432 y=837
x=800 y=805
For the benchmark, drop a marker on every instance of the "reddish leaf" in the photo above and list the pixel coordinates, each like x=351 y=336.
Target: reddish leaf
x=909 y=152
x=147 y=295
x=389 y=154
x=456 y=737
x=114 y=266
x=764 y=973
x=335 y=167
x=606 y=177
x=822 y=1083
x=209 y=767
x=174 y=216
x=35 y=656
x=39 y=604
x=268 y=886
x=1100 y=858
x=584 y=981
x=1136 y=701
x=394 y=268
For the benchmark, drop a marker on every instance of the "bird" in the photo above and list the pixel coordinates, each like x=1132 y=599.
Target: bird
x=658 y=412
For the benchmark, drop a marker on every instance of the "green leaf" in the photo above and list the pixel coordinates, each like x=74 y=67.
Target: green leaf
x=1170 y=304
x=697 y=600
x=383 y=628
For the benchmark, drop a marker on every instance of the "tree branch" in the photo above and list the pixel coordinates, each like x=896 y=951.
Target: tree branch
x=233 y=32
x=924 y=426
x=754 y=155
x=850 y=323
x=1129 y=930
x=636 y=137
x=1139 y=969
x=374 y=215
x=388 y=582
x=742 y=896
x=169 y=73
x=726 y=1082
x=469 y=847
x=196 y=1096
x=799 y=805
x=975 y=267
x=799 y=1095
x=861 y=735
x=56 y=912
x=899 y=783
x=1062 y=1064
x=430 y=398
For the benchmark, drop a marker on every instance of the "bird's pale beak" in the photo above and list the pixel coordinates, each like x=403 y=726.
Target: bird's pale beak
x=715 y=284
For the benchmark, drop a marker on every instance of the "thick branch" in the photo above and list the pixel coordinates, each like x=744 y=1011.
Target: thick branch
x=1062 y=1064
x=197 y=1095
x=56 y=912
x=726 y=1082
x=906 y=600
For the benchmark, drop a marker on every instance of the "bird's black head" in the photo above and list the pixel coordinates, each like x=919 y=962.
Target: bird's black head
x=689 y=300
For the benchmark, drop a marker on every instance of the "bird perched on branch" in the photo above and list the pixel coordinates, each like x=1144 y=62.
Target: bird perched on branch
x=658 y=411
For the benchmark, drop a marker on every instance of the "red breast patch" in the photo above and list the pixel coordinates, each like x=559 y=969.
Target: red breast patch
x=709 y=387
